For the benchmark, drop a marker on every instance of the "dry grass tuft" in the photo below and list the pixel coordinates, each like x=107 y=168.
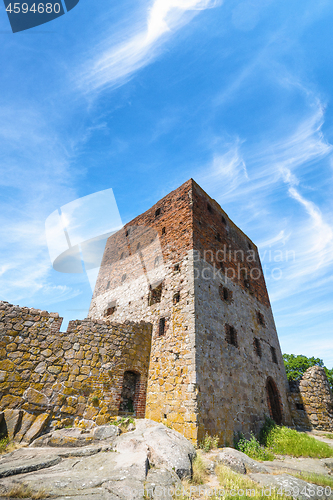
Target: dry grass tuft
x=22 y=491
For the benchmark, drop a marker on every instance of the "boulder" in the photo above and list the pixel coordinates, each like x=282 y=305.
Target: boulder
x=123 y=467
x=166 y=447
x=239 y=462
x=161 y=483
x=105 y=432
x=67 y=438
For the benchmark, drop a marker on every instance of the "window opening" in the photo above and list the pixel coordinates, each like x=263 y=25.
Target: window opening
x=156 y=261
x=161 y=327
x=110 y=309
x=260 y=318
x=155 y=294
x=274 y=358
x=163 y=230
x=225 y=294
x=231 y=335
x=176 y=298
x=257 y=347
x=157 y=212
x=273 y=401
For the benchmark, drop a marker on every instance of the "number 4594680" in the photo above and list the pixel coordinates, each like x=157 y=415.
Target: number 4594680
x=40 y=9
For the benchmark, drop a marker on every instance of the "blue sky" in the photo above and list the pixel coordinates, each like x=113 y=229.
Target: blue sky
x=139 y=96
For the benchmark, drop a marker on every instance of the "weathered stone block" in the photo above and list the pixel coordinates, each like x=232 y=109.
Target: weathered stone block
x=12 y=420
x=37 y=427
x=36 y=397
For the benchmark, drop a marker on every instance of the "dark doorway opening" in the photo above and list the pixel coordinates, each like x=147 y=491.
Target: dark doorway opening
x=273 y=400
x=129 y=392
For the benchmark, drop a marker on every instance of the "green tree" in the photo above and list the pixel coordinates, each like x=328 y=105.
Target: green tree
x=297 y=365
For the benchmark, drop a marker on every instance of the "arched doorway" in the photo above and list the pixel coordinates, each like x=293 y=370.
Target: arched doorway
x=273 y=400
x=129 y=392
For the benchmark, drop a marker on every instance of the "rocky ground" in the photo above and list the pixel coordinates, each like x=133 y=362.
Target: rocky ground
x=149 y=459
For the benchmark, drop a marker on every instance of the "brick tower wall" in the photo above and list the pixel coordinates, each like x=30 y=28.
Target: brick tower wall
x=237 y=347
x=156 y=247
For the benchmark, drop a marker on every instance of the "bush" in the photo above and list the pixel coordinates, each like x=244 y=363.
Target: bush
x=209 y=442
x=252 y=448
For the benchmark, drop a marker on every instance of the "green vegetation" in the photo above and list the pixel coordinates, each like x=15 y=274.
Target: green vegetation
x=312 y=477
x=297 y=365
x=95 y=400
x=230 y=480
x=253 y=449
x=209 y=442
x=123 y=422
x=329 y=436
x=4 y=442
x=230 y=483
x=284 y=441
x=199 y=470
x=280 y=440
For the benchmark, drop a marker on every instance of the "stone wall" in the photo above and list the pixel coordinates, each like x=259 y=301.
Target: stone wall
x=311 y=401
x=73 y=375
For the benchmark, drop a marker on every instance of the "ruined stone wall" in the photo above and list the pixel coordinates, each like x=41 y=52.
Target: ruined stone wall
x=70 y=375
x=237 y=348
x=156 y=247
x=311 y=401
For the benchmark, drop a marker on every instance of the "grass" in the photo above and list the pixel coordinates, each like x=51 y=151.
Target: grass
x=22 y=491
x=123 y=421
x=312 y=477
x=7 y=446
x=253 y=449
x=285 y=441
x=329 y=436
x=246 y=488
x=199 y=470
x=209 y=442
x=229 y=483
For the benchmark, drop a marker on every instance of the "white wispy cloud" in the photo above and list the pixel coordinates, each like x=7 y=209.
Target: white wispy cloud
x=143 y=43
x=228 y=168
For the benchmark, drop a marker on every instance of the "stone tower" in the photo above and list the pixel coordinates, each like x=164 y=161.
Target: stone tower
x=185 y=267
